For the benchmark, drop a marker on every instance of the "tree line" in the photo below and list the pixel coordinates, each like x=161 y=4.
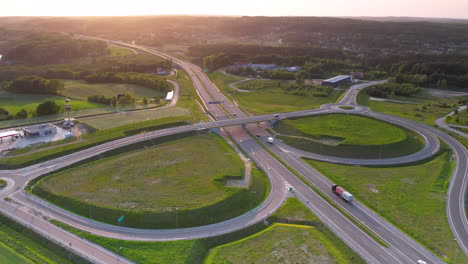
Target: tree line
x=48 y=49
x=34 y=84
x=150 y=81
x=392 y=89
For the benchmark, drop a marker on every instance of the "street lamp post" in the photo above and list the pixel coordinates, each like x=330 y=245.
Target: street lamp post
x=68 y=108
x=177 y=217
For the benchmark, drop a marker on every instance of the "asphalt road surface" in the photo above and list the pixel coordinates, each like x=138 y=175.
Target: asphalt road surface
x=402 y=248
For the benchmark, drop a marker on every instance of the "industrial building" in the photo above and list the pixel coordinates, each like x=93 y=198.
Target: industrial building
x=40 y=130
x=13 y=134
x=337 y=80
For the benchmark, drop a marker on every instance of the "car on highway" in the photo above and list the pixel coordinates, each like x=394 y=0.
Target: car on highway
x=276 y=115
x=258 y=135
x=421 y=261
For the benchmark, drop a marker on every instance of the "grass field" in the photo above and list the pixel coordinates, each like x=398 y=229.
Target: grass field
x=411 y=197
x=294 y=210
x=86 y=141
x=119 y=51
x=347 y=136
x=189 y=189
x=82 y=90
x=21 y=245
x=132 y=117
x=194 y=251
x=128 y=181
x=14 y=102
x=459 y=119
x=426 y=110
x=269 y=100
x=280 y=243
x=259 y=84
x=188 y=97
x=8 y=255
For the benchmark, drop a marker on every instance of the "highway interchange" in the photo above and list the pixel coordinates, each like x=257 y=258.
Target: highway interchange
x=402 y=249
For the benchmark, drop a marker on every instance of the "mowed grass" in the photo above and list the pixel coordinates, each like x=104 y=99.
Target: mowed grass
x=411 y=197
x=293 y=209
x=280 y=243
x=8 y=255
x=119 y=51
x=54 y=149
x=286 y=243
x=133 y=117
x=195 y=251
x=82 y=90
x=425 y=110
x=168 y=175
x=194 y=187
x=348 y=136
x=259 y=84
x=14 y=102
x=354 y=129
x=274 y=100
x=269 y=100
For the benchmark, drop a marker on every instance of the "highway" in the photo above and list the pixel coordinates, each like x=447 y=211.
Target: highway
x=402 y=248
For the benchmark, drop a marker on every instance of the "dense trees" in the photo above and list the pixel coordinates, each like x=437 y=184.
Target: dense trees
x=34 y=84
x=151 y=81
x=101 y=99
x=4 y=114
x=47 y=108
x=392 y=89
x=21 y=114
x=312 y=90
x=47 y=49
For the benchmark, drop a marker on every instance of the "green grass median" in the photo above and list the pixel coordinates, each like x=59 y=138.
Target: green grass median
x=177 y=183
x=346 y=135
x=412 y=197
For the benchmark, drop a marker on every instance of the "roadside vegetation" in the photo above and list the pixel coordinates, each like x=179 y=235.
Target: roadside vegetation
x=412 y=197
x=459 y=118
x=103 y=122
x=19 y=244
x=312 y=237
x=22 y=158
x=270 y=99
x=119 y=51
x=191 y=191
x=3 y=184
x=420 y=107
x=81 y=90
x=345 y=135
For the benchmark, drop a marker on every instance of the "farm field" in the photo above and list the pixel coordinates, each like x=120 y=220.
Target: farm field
x=82 y=90
x=269 y=100
x=132 y=117
x=347 y=136
x=411 y=197
x=14 y=102
x=125 y=184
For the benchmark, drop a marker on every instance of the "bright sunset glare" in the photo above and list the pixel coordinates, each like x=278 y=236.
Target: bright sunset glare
x=414 y=8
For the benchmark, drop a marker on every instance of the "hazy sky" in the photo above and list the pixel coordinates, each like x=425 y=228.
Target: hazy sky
x=416 y=8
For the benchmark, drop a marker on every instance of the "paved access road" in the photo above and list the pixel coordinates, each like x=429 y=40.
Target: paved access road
x=279 y=176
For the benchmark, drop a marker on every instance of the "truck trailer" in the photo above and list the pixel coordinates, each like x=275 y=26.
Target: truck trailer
x=340 y=191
